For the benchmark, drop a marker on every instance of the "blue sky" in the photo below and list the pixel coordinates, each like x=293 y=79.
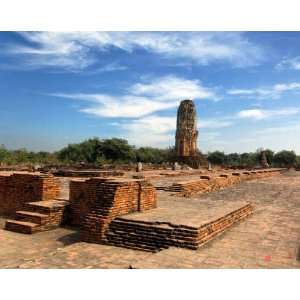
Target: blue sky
x=58 y=88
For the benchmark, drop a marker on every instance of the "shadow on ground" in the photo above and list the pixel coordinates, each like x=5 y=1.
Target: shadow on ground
x=70 y=238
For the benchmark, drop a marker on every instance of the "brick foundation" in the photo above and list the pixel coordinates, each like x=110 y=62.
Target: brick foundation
x=208 y=183
x=89 y=173
x=155 y=236
x=20 y=188
x=95 y=202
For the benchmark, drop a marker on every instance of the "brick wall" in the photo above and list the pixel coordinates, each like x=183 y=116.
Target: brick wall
x=208 y=183
x=20 y=188
x=82 y=196
x=95 y=202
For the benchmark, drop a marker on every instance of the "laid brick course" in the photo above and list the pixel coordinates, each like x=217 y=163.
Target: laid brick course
x=208 y=183
x=154 y=232
x=89 y=173
x=95 y=202
x=17 y=189
x=269 y=238
x=82 y=196
x=38 y=216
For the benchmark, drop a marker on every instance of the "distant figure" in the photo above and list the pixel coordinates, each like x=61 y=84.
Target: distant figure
x=139 y=167
x=209 y=166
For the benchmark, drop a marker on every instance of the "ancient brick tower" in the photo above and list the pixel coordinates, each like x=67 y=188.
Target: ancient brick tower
x=263 y=160
x=186 y=131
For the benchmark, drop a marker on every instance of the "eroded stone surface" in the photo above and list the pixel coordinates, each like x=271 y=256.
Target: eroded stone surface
x=186 y=131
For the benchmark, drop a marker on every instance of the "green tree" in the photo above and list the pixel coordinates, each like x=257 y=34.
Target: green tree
x=232 y=159
x=153 y=155
x=96 y=151
x=117 y=149
x=248 y=160
x=3 y=153
x=216 y=157
x=285 y=158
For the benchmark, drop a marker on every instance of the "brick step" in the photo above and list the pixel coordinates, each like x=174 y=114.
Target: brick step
x=155 y=236
x=143 y=242
x=137 y=244
x=149 y=237
x=178 y=227
x=152 y=231
x=46 y=207
x=21 y=226
x=160 y=240
x=38 y=216
x=33 y=217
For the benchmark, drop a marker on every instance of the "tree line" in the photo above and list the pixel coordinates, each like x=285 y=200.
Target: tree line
x=98 y=152
x=92 y=151
x=284 y=158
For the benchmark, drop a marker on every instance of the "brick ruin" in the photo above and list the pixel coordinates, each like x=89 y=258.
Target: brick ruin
x=107 y=210
x=137 y=195
x=29 y=199
x=38 y=216
x=154 y=236
x=88 y=173
x=186 y=130
x=186 y=136
x=94 y=203
x=20 y=188
x=263 y=160
x=208 y=183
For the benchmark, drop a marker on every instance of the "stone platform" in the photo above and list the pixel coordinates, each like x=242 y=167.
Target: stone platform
x=180 y=224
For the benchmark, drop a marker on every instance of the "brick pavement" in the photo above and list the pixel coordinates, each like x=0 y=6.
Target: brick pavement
x=270 y=238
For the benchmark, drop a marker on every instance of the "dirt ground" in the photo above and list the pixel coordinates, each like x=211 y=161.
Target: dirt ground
x=270 y=238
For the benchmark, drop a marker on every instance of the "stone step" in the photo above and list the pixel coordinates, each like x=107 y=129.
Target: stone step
x=30 y=216
x=46 y=207
x=21 y=226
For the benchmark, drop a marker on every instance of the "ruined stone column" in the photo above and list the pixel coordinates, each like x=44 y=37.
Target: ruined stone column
x=264 y=161
x=186 y=131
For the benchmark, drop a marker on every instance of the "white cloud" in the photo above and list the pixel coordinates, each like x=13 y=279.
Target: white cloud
x=151 y=130
x=289 y=128
x=273 y=92
x=289 y=63
x=126 y=107
x=109 y=68
x=159 y=131
x=241 y=92
x=171 y=88
x=144 y=98
x=214 y=123
x=260 y=114
x=73 y=50
x=279 y=137
x=256 y=114
x=283 y=87
x=155 y=123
